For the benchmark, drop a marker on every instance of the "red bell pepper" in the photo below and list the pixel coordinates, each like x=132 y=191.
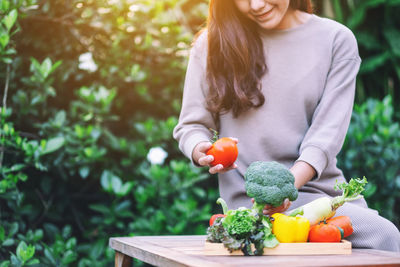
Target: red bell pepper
x=214 y=217
x=224 y=209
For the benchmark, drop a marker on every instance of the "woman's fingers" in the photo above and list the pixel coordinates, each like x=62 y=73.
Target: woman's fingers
x=283 y=207
x=199 y=153
x=203 y=147
x=287 y=204
x=220 y=168
x=233 y=166
x=269 y=210
x=215 y=169
x=205 y=160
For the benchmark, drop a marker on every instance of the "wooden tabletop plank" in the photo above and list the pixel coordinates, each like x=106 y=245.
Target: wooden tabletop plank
x=188 y=251
x=157 y=253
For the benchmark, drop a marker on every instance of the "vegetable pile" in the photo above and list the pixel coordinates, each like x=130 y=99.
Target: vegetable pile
x=242 y=228
x=271 y=183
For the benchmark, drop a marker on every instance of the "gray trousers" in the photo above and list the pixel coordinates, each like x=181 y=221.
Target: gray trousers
x=370 y=229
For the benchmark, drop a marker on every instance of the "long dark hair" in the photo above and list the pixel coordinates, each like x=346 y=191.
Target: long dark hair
x=236 y=61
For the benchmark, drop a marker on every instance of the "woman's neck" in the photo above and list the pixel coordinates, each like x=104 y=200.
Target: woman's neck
x=293 y=18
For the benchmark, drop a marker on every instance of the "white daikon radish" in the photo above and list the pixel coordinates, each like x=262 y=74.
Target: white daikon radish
x=324 y=208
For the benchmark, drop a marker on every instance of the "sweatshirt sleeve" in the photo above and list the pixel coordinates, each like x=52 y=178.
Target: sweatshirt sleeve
x=194 y=119
x=331 y=118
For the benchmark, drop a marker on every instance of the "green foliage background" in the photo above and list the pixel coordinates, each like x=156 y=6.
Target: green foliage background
x=74 y=142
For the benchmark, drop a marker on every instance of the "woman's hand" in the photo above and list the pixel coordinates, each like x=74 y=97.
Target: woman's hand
x=201 y=158
x=269 y=210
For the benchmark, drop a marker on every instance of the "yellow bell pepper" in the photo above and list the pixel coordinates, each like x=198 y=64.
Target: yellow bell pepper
x=289 y=229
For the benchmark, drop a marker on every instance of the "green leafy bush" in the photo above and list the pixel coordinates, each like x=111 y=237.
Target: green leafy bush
x=79 y=126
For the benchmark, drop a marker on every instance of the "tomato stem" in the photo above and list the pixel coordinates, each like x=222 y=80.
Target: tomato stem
x=215 y=135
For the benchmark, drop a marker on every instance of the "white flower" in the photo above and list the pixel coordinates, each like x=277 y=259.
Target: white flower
x=156 y=155
x=86 y=62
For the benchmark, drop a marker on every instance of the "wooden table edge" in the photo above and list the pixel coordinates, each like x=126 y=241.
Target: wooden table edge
x=162 y=256
x=157 y=255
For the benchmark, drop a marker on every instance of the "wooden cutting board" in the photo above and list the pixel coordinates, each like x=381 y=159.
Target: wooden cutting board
x=310 y=248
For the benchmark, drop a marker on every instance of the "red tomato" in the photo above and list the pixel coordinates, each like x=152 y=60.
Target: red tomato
x=324 y=232
x=224 y=151
x=343 y=222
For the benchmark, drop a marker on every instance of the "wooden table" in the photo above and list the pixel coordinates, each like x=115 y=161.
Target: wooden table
x=188 y=251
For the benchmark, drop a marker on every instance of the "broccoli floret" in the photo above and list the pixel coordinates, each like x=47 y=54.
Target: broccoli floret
x=269 y=183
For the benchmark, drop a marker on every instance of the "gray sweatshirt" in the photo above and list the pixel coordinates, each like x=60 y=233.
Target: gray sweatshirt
x=309 y=91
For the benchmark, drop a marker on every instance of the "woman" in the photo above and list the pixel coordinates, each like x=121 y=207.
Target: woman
x=282 y=81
